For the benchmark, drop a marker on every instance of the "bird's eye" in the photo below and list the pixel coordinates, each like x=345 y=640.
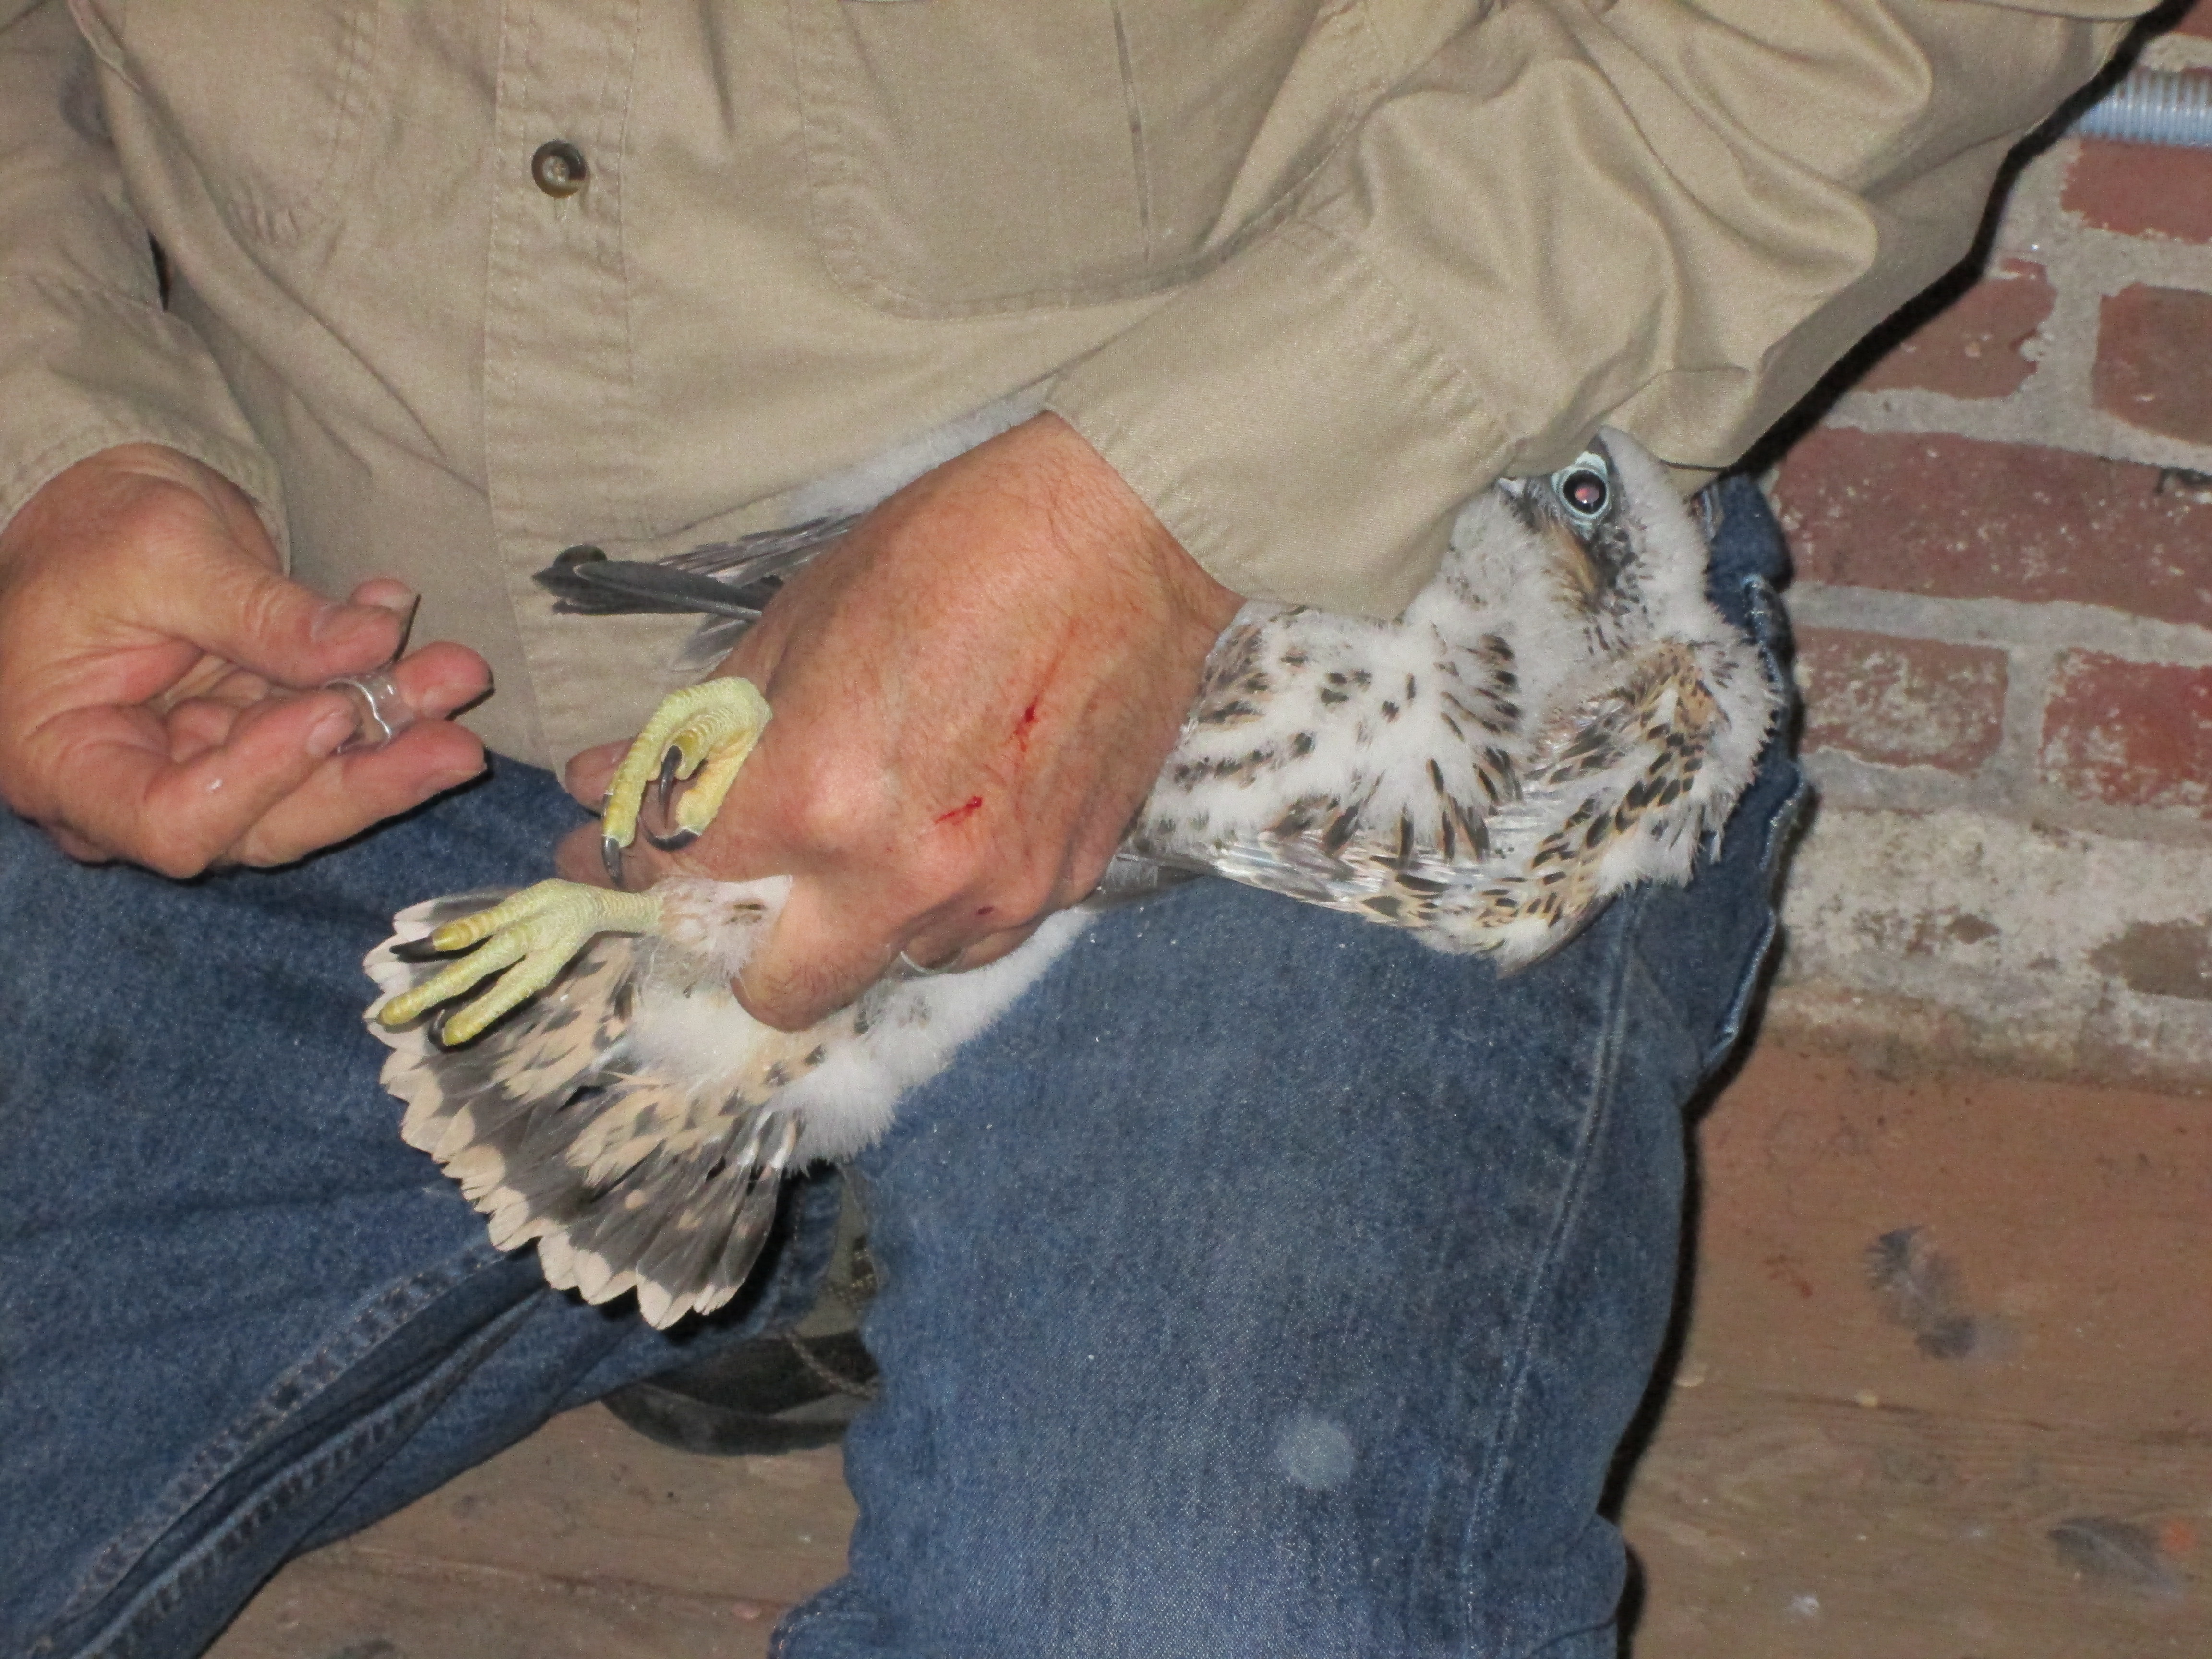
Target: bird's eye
x=1584 y=490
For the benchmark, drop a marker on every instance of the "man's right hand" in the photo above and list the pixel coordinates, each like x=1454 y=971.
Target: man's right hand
x=157 y=675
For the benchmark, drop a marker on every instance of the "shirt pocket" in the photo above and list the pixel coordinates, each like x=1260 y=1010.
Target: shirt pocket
x=272 y=102
x=974 y=156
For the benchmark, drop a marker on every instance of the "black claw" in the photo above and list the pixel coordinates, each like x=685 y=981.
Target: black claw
x=666 y=781
x=674 y=841
x=610 y=854
x=418 y=950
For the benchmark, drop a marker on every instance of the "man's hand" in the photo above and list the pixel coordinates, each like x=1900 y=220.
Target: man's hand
x=156 y=676
x=972 y=695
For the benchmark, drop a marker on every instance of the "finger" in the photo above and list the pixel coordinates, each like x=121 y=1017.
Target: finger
x=431 y=684
x=76 y=845
x=577 y=858
x=362 y=786
x=992 y=948
x=117 y=787
x=349 y=793
x=581 y=855
x=587 y=774
x=253 y=617
x=210 y=679
x=972 y=941
x=196 y=726
x=441 y=679
x=388 y=593
x=817 y=957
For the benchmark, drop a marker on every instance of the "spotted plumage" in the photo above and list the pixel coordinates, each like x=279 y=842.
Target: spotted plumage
x=1561 y=714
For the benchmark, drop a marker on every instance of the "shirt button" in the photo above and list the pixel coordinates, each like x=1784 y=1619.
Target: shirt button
x=559 y=169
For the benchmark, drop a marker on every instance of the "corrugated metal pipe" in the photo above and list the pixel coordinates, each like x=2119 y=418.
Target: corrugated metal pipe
x=2154 y=107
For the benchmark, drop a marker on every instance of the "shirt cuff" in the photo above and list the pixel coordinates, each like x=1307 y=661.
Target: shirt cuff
x=1294 y=424
x=83 y=370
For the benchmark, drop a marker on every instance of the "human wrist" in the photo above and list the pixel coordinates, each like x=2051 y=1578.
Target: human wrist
x=1092 y=504
x=89 y=485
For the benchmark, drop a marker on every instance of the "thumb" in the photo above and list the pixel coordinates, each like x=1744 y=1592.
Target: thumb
x=817 y=958
x=241 y=610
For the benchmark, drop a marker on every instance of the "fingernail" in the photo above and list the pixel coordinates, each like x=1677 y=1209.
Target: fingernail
x=328 y=732
x=404 y=606
x=441 y=700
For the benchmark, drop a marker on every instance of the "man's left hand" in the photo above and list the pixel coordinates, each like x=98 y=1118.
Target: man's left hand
x=973 y=694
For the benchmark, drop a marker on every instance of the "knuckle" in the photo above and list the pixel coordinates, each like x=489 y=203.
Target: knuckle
x=934 y=875
x=796 y=998
x=163 y=517
x=1023 y=894
x=267 y=607
x=835 y=814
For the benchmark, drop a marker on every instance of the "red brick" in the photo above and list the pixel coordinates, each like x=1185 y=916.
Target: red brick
x=2129 y=734
x=1972 y=347
x=2142 y=190
x=1957 y=518
x=2154 y=355
x=1901 y=702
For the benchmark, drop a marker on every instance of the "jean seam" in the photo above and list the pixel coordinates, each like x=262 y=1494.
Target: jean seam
x=807 y=1613
x=160 y=1597
x=1522 y=1345
x=381 y=1316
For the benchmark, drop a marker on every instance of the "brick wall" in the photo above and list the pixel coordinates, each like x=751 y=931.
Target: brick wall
x=2002 y=528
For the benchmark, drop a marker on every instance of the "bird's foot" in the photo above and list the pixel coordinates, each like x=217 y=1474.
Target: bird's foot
x=534 y=933
x=701 y=734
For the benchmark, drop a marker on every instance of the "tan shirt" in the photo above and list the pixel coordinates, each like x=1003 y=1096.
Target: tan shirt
x=1308 y=271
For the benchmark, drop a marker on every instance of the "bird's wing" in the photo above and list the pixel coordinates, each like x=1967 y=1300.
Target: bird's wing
x=728 y=583
x=1625 y=784
x=636 y=1122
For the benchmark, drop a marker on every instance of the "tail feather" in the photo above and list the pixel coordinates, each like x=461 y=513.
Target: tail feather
x=621 y=1174
x=636 y=1124
x=728 y=1220
x=749 y=1232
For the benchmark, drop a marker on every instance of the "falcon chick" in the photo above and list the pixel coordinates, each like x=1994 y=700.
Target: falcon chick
x=1559 y=714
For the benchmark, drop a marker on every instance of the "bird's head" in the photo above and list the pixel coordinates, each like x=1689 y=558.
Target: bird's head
x=1582 y=511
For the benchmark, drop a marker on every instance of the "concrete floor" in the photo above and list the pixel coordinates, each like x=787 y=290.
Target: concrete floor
x=1944 y=1391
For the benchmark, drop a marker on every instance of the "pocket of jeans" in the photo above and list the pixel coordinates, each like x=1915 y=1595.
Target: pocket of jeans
x=1001 y=155
x=270 y=101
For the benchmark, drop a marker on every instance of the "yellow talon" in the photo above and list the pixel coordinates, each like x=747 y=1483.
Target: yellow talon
x=534 y=934
x=706 y=729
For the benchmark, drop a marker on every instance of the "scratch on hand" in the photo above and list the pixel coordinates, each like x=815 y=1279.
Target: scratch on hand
x=967 y=809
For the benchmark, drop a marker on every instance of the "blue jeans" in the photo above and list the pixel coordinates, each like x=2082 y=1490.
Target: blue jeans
x=1263 y=1284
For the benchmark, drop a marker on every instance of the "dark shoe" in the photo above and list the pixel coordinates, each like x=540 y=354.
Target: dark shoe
x=775 y=1393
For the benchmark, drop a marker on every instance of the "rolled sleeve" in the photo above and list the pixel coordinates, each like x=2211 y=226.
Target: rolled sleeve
x=1667 y=216
x=89 y=357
